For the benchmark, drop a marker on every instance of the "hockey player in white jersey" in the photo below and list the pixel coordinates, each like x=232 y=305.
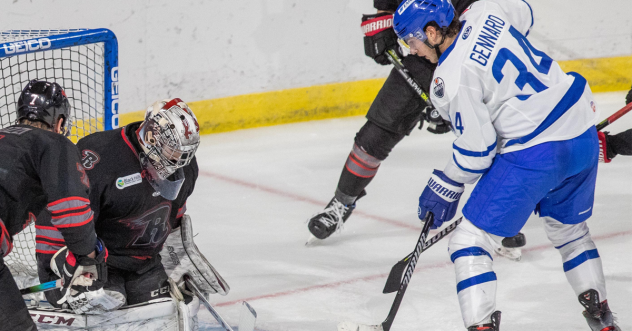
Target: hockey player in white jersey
x=525 y=130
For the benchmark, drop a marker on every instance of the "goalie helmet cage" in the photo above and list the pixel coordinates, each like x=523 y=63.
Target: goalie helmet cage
x=85 y=63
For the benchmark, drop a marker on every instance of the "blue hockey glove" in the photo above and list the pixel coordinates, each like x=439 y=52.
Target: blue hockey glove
x=441 y=197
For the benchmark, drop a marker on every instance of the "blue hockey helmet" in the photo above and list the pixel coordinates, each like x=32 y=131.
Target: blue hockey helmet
x=412 y=16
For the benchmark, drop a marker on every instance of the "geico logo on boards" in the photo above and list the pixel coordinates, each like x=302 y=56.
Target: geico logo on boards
x=51 y=319
x=115 y=97
x=26 y=46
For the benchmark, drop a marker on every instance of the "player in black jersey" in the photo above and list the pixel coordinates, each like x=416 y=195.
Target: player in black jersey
x=40 y=169
x=393 y=115
x=615 y=144
x=140 y=178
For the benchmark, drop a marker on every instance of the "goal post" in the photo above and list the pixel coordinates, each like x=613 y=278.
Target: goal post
x=85 y=63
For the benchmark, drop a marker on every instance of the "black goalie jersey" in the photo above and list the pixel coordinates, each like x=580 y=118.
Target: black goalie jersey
x=130 y=217
x=41 y=174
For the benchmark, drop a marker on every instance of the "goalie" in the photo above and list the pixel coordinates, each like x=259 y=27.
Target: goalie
x=140 y=178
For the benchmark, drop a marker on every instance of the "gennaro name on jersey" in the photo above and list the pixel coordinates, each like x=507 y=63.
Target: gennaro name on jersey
x=486 y=41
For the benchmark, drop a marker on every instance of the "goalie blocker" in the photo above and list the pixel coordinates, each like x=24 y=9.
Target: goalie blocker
x=181 y=256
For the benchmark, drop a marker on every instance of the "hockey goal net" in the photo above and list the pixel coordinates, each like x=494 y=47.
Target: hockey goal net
x=85 y=64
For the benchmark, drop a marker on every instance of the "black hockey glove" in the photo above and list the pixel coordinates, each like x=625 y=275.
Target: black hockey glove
x=436 y=124
x=81 y=273
x=379 y=36
x=628 y=98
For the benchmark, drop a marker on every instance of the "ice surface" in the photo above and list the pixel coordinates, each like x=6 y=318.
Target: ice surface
x=258 y=187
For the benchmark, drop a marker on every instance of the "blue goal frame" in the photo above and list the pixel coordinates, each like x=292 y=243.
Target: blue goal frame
x=90 y=36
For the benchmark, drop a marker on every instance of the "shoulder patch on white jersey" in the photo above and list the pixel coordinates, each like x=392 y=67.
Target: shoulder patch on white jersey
x=467 y=32
x=439 y=87
x=487 y=39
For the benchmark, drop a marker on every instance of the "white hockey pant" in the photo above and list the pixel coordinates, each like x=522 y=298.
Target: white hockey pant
x=470 y=250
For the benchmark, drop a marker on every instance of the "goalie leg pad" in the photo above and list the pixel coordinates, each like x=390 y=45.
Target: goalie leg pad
x=581 y=261
x=470 y=250
x=181 y=256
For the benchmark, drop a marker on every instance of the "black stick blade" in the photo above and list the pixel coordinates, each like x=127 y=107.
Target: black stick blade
x=395 y=276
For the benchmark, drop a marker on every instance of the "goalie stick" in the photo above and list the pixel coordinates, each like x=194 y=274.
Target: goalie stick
x=419 y=248
x=614 y=117
x=247 y=318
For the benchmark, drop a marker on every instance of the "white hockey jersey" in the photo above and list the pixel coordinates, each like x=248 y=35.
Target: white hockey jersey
x=500 y=93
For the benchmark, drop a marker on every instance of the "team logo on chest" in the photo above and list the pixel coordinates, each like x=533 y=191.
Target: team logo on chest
x=151 y=228
x=127 y=181
x=89 y=159
x=439 y=88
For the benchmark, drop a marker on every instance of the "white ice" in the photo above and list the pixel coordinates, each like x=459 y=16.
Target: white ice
x=258 y=187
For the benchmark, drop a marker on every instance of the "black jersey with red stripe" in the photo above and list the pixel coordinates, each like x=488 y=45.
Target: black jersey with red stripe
x=40 y=174
x=130 y=217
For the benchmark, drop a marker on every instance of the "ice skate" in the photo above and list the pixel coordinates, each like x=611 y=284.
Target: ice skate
x=493 y=326
x=597 y=314
x=324 y=224
x=511 y=247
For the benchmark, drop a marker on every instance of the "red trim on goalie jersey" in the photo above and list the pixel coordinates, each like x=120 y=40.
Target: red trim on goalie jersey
x=128 y=142
x=6 y=244
x=145 y=257
x=182 y=210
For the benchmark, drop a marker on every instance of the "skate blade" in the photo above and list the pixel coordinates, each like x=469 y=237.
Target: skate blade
x=311 y=240
x=514 y=254
x=351 y=326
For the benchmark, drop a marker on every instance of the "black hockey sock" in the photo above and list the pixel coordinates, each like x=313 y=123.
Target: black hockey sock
x=358 y=172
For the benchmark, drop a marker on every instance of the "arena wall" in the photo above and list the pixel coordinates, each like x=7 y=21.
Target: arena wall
x=250 y=63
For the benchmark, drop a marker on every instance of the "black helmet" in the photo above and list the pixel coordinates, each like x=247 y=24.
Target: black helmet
x=44 y=102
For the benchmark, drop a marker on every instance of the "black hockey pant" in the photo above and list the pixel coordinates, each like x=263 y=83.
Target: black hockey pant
x=13 y=312
x=393 y=114
x=137 y=288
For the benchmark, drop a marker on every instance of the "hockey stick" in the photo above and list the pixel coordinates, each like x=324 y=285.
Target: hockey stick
x=397 y=62
x=41 y=287
x=614 y=117
x=395 y=276
x=386 y=325
x=247 y=318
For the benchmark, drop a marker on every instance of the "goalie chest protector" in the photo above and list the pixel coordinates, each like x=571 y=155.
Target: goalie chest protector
x=130 y=217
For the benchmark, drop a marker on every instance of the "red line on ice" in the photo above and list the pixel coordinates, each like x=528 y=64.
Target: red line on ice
x=302 y=198
x=425 y=267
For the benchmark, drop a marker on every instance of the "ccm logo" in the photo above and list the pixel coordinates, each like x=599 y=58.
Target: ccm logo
x=49 y=319
x=162 y=290
x=26 y=45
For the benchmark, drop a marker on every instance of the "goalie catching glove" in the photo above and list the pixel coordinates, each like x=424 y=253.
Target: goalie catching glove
x=83 y=279
x=181 y=256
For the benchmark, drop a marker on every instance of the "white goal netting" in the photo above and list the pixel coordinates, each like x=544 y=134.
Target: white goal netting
x=80 y=71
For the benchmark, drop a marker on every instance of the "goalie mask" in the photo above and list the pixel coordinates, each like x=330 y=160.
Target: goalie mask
x=169 y=137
